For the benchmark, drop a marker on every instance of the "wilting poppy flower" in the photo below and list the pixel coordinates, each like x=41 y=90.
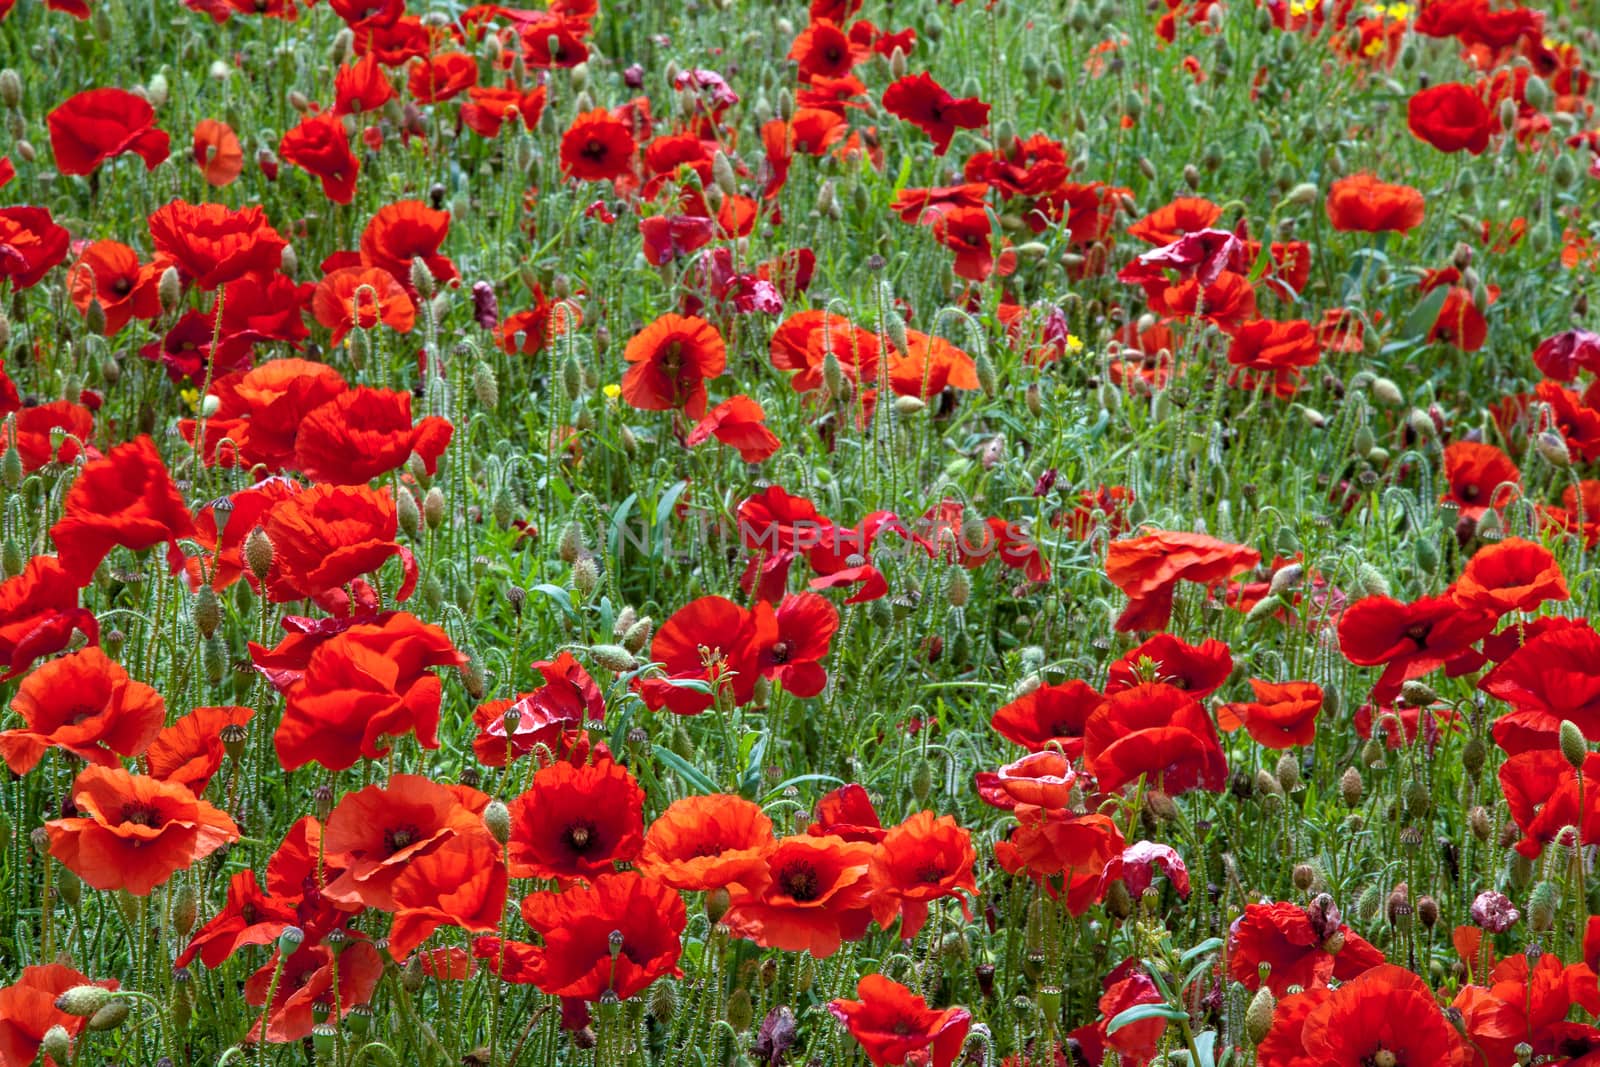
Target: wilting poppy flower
x=98 y=124
x=1409 y=640
x=1304 y=947
x=670 y=360
x=250 y=917
x=462 y=883
x=125 y=498
x=1281 y=716
x=38 y=613
x=30 y=244
x=548 y=715
x=363 y=433
x=213 y=245
x=1043 y=779
x=1049 y=715
x=86 y=704
x=1451 y=117
x=374 y=834
x=190 y=751
x=1199 y=670
x=891 y=1023
x=1147 y=569
x=1363 y=204
x=580 y=926
x=216 y=152
x=1158 y=732
x=576 y=821
x=362 y=296
x=405 y=231
x=28 y=1011
x=1067 y=854
x=363 y=687
x=708 y=842
x=1473 y=473
x=846 y=812
x=305 y=981
x=816 y=896
x=1564 y=355
x=133 y=832
x=925 y=858
x=1511 y=575
x=110 y=273
x=740 y=423
x=1126 y=986
x=329 y=535
x=320 y=147
x=597 y=147
x=1384 y=1015
x=928 y=106
x=711 y=640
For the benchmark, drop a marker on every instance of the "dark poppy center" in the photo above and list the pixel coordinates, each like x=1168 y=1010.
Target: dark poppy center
x=141 y=815
x=780 y=652
x=121 y=286
x=81 y=713
x=1419 y=633
x=248 y=913
x=580 y=836
x=400 y=837
x=595 y=149
x=1469 y=492
x=1382 y=1058
x=800 y=881
x=930 y=875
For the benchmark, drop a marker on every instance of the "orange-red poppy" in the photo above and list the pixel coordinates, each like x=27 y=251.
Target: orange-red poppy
x=1282 y=715
x=1363 y=204
x=576 y=821
x=924 y=859
x=217 y=152
x=125 y=498
x=85 y=704
x=892 y=1024
x=669 y=363
x=212 y=245
x=816 y=896
x=708 y=842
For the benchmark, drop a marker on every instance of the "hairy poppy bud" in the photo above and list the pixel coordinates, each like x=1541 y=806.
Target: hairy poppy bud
x=1553 y=448
x=113 y=1015
x=1258 y=1017
x=258 y=553
x=1574 y=749
x=585 y=576
x=497 y=820
x=10 y=88
x=84 y=1000
x=56 y=1043
x=1350 y=787
x=613 y=658
x=1542 y=903
x=433 y=508
x=170 y=290
x=1372 y=581
x=638 y=635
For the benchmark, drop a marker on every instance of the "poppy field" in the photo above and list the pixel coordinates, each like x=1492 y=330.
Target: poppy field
x=746 y=533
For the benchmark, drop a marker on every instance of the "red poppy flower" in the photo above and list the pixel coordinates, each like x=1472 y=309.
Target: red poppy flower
x=1158 y=732
x=490 y=108
x=556 y=38
x=1199 y=670
x=580 y=926
x=30 y=244
x=362 y=296
x=740 y=423
x=1451 y=117
x=326 y=537
x=670 y=360
x=110 y=273
x=99 y=124
x=1226 y=303
x=1385 y=1015
x=320 y=147
x=891 y=1023
x=1303 y=947
x=28 y=1011
x=133 y=832
x=1474 y=473
x=38 y=613
x=823 y=50
x=1363 y=204
x=576 y=822
x=305 y=983
x=441 y=76
x=1511 y=575
x=403 y=232
x=38 y=428
x=1126 y=986
x=1281 y=716
x=816 y=896
x=708 y=842
x=711 y=628
x=1409 y=640
x=363 y=433
x=375 y=834
x=1147 y=569
x=1526 y=1002
x=1042 y=779
x=925 y=858
x=217 y=153
x=969 y=232
x=362 y=687
x=928 y=106
x=510 y=729
x=125 y=498
x=462 y=883
x=1186 y=214
x=86 y=704
x=806 y=624
x=1563 y=356
x=1555 y=676
x=1543 y=792
x=929 y=366
x=812 y=131
x=597 y=147
x=1275 y=351
x=190 y=751
x=250 y=917
x=213 y=245
x=803 y=341
x=361 y=87
x=1065 y=853
x=1049 y=716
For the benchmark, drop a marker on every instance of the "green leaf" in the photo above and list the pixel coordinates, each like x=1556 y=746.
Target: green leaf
x=1141 y=1012
x=1426 y=313
x=691 y=774
x=776 y=791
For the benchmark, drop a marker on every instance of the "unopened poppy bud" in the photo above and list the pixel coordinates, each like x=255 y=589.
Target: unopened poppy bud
x=958 y=589
x=1258 y=1017
x=258 y=553
x=11 y=472
x=184 y=909
x=1428 y=912
x=663 y=1001
x=1371 y=581
x=207 y=611
x=170 y=290
x=56 y=1043
x=1565 y=172
x=897 y=63
x=69 y=886
x=1350 y=787
x=1418 y=694
x=10 y=88
x=638 y=635
x=585 y=576
x=1478 y=822
x=1305 y=876
x=613 y=658
x=473 y=679
x=84 y=1000
x=1303 y=194
x=1288 y=772
x=1286 y=578
x=740 y=1012
x=1265 y=608
x=922 y=780
x=1119 y=903
x=1508 y=114
x=1574 y=748
x=716 y=903
x=988 y=377
x=909 y=405
x=113 y=1015
x=433 y=508
x=1553 y=448
x=1542 y=903
x=410 y=515
x=497 y=820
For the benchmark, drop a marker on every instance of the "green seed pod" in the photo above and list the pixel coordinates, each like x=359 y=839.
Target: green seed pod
x=1350 y=787
x=1574 y=748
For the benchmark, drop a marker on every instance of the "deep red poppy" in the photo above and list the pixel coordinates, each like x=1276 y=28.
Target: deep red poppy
x=891 y=1023
x=576 y=821
x=99 y=124
x=213 y=245
x=929 y=106
x=1451 y=117
x=320 y=147
x=1157 y=732
x=1281 y=716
